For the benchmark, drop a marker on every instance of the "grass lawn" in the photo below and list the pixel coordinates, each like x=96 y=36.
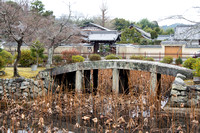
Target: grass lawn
x=23 y=71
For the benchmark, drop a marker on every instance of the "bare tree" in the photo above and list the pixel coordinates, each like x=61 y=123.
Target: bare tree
x=104 y=10
x=17 y=24
x=55 y=32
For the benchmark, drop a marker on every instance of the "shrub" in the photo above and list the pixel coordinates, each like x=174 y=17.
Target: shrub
x=189 y=62
x=37 y=50
x=112 y=56
x=140 y=57
x=7 y=56
x=196 y=67
x=94 y=57
x=149 y=58
x=2 y=63
x=26 y=59
x=137 y=57
x=167 y=59
x=67 y=54
x=57 y=59
x=178 y=61
x=77 y=58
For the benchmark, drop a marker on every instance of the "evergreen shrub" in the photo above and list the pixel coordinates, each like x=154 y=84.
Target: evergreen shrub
x=77 y=58
x=57 y=59
x=137 y=57
x=112 y=56
x=2 y=63
x=178 y=61
x=94 y=57
x=189 y=62
x=167 y=59
x=7 y=56
x=26 y=59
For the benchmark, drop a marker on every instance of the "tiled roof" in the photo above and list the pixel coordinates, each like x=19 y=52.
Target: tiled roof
x=163 y=37
x=139 y=46
x=103 y=36
x=144 y=33
x=192 y=46
x=73 y=45
x=101 y=27
x=187 y=32
x=95 y=25
x=174 y=42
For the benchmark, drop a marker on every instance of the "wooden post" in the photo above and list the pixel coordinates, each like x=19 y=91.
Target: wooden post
x=123 y=81
x=95 y=79
x=87 y=80
x=158 y=86
x=96 y=47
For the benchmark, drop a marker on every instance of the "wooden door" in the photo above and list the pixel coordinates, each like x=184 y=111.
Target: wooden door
x=174 y=51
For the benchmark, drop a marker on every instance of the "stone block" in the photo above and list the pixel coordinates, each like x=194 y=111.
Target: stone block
x=175 y=92
x=26 y=90
x=34 y=89
x=36 y=83
x=13 y=91
x=183 y=93
x=25 y=94
x=192 y=102
x=179 y=87
x=23 y=87
x=25 y=83
x=181 y=76
x=41 y=93
x=178 y=99
x=20 y=79
x=179 y=81
x=197 y=88
x=11 y=80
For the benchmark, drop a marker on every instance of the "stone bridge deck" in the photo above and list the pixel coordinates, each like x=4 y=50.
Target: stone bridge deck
x=140 y=65
x=155 y=68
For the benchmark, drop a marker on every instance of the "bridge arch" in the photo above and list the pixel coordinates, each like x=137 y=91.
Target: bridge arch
x=83 y=68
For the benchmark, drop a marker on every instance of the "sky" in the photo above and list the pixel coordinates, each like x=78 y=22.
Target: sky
x=132 y=10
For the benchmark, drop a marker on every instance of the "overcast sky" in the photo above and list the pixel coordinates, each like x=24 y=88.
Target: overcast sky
x=133 y=10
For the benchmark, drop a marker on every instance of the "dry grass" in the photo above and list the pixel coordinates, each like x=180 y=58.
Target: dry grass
x=23 y=71
x=103 y=112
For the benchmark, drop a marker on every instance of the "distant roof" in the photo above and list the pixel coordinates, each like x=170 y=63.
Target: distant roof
x=89 y=27
x=164 y=37
x=139 y=46
x=75 y=45
x=103 y=36
x=187 y=32
x=174 y=42
x=192 y=46
x=144 y=33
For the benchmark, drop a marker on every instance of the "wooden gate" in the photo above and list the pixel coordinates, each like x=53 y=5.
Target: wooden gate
x=174 y=51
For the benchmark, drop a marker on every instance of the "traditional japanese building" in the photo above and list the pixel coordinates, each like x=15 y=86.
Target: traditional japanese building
x=100 y=35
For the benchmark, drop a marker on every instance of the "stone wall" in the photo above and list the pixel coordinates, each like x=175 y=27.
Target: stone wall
x=183 y=95
x=21 y=87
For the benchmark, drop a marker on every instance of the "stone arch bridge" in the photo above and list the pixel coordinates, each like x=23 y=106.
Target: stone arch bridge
x=76 y=72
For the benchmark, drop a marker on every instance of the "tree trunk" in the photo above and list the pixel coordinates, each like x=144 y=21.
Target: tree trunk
x=37 y=59
x=50 y=57
x=19 y=44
